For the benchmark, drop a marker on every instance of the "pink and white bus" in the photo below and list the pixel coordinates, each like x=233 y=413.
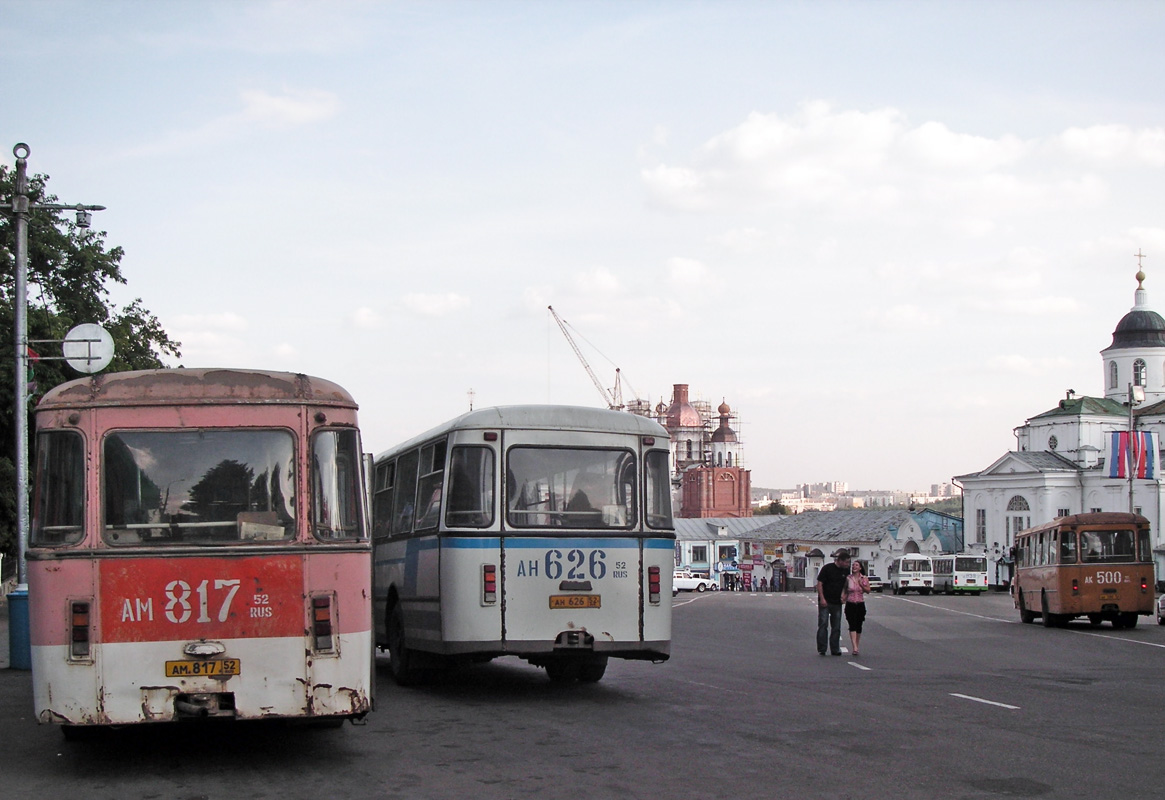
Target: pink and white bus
x=198 y=548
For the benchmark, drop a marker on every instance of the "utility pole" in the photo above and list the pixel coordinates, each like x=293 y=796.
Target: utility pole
x=20 y=210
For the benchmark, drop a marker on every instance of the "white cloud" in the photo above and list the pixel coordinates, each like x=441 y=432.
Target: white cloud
x=687 y=271
x=598 y=280
x=1116 y=143
x=366 y=319
x=435 y=305
x=260 y=109
x=865 y=164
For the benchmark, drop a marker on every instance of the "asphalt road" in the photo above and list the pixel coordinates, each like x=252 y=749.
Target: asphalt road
x=952 y=698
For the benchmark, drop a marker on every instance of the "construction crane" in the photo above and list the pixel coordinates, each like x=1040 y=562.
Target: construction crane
x=614 y=398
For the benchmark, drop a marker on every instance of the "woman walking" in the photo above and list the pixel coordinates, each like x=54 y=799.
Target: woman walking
x=857 y=586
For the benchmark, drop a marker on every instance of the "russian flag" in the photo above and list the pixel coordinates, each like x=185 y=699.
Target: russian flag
x=1138 y=449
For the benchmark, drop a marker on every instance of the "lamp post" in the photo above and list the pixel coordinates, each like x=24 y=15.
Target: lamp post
x=20 y=211
x=1136 y=395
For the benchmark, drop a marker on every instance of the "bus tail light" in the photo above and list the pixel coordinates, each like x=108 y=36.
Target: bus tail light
x=489 y=584
x=1144 y=584
x=321 y=622
x=653 y=585
x=79 y=629
x=1075 y=586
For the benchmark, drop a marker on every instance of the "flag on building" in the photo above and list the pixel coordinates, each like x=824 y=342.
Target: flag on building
x=1138 y=449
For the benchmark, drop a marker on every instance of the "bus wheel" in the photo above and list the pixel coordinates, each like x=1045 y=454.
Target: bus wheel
x=1049 y=619
x=592 y=670
x=400 y=657
x=1130 y=619
x=1094 y=620
x=1025 y=616
x=563 y=670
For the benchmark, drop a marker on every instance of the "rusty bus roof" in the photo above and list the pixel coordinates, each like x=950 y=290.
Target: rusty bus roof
x=196 y=387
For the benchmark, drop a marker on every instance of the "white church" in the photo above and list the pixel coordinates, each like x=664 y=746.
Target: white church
x=1065 y=456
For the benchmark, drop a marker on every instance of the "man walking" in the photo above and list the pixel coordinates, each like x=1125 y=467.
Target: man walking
x=830 y=583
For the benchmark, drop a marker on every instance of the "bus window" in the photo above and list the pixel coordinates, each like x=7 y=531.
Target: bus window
x=1068 y=547
x=336 y=485
x=1110 y=546
x=382 y=498
x=198 y=486
x=471 y=488
x=406 y=490
x=429 y=487
x=58 y=513
x=1144 y=545
x=658 y=493
x=569 y=488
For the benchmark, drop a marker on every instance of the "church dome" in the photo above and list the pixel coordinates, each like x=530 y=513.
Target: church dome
x=1141 y=327
x=681 y=413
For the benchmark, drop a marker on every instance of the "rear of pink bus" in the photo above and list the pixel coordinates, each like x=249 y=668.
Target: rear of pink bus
x=198 y=549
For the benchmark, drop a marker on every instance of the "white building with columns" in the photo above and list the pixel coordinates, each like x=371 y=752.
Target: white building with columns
x=1059 y=466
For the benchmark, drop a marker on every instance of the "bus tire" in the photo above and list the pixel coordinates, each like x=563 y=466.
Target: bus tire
x=1130 y=619
x=592 y=670
x=1025 y=616
x=400 y=657
x=563 y=670
x=1094 y=620
x=1048 y=618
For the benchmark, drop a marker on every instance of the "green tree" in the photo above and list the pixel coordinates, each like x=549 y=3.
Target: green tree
x=70 y=271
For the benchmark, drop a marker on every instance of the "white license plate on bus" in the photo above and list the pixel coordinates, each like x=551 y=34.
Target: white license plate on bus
x=219 y=667
x=576 y=601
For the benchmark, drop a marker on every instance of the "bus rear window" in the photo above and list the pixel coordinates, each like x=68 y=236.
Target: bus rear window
x=198 y=487
x=58 y=506
x=559 y=487
x=1111 y=547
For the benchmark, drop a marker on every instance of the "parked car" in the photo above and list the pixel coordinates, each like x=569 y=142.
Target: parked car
x=1161 y=610
x=875 y=583
x=683 y=580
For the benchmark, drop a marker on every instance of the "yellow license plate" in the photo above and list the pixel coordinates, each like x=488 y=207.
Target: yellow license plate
x=219 y=667
x=576 y=601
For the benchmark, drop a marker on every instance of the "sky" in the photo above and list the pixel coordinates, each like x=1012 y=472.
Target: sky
x=885 y=233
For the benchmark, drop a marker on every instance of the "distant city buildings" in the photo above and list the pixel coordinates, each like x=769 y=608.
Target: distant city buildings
x=834 y=496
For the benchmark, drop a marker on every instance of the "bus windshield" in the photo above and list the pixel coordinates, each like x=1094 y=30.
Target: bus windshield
x=971 y=564
x=1108 y=546
x=570 y=488
x=198 y=486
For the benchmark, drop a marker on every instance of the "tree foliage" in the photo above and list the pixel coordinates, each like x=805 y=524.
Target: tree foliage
x=70 y=272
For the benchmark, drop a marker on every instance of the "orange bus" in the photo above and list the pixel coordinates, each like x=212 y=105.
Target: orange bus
x=1098 y=566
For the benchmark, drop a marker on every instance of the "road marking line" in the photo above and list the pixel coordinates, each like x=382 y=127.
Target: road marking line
x=981 y=700
x=863 y=667
x=954 y=611
x=1018 y=622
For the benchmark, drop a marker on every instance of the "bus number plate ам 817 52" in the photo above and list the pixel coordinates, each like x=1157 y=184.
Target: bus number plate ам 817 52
x=576 y=601
x=214 y=668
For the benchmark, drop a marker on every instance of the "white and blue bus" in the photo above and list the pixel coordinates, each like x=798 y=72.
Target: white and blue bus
x=960 y=573
x=911 y=573
x=543 y=532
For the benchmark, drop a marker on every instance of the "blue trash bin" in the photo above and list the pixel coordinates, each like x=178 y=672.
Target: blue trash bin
x=19 y=641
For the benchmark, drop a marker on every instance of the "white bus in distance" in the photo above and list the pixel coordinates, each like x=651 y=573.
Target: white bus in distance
x=911 y=573
x=961 y=573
